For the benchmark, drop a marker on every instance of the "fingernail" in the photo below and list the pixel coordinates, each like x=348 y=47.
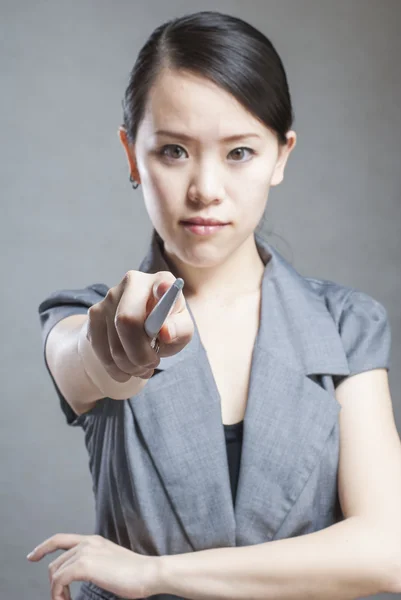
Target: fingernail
x=30 y=554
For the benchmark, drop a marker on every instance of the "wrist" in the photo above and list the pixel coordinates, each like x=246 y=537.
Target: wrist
x=155 y=576
x=89 y=361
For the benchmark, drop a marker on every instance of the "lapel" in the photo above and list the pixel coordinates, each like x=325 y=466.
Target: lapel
x=287 y=421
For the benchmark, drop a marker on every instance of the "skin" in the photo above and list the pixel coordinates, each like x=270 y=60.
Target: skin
x=205 y=177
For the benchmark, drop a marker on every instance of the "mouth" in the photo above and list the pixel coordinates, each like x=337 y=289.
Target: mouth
x=202 y=221
x=203 y=226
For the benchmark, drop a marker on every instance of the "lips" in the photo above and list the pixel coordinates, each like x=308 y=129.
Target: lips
x=200 y=221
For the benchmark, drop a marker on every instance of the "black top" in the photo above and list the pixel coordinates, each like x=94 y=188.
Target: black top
x=233 y=434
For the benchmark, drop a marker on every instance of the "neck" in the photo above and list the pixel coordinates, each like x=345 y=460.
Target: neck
x=238 y=276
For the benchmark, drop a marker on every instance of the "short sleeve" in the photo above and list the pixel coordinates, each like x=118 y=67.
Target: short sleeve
x=59 y=305
x=365 y=333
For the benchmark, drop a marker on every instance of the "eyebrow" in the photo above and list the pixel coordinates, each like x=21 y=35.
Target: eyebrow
x=183 y=136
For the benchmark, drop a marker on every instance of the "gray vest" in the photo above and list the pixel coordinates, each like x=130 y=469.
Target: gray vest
x=158 y=460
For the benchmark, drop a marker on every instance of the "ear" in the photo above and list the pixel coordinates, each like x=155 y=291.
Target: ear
x=130 y=153
x=284 y=153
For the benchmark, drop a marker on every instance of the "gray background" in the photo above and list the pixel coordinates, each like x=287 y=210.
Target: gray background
x=70 y=217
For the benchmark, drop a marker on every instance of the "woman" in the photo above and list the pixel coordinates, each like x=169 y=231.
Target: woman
x=255 y=358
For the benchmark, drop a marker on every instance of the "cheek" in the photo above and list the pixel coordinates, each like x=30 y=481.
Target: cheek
x=251 y=187
x=162 y=194
x=252 y=204
x=252 y=178
x=161 y=181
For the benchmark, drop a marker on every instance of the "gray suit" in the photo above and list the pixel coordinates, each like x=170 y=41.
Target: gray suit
x=158 y=460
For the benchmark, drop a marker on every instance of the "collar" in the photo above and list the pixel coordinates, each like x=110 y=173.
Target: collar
x=295 y=325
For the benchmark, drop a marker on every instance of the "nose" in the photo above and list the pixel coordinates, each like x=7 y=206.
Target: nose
x=207 y=184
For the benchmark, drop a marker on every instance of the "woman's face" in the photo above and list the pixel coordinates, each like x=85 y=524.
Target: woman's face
x=187 y=169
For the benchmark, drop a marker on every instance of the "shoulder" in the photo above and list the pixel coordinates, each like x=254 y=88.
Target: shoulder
x=62 y=303
x=362 y=322
x=344 y=302
x=85 y=296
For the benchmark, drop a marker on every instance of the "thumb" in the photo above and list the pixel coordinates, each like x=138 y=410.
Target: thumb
x=160 y=287
x=157 y=293
x=155 y=290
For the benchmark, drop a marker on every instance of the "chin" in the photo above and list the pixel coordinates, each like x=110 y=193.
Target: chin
x=202 y=256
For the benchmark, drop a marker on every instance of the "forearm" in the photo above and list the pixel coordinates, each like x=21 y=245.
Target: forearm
x=78 y=372
x=342 y=562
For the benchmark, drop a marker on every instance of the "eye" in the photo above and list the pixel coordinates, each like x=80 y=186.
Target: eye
x=164 y=151
x=174 y=151
x=241 y=149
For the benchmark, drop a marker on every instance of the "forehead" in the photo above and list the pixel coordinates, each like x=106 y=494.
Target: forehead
x=196 y=105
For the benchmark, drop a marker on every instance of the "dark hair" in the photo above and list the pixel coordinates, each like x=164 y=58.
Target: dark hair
x=224 y=49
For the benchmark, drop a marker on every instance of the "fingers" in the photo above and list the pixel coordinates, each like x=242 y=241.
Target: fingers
x=136 y=342
x=66 y=593
x=98 y=335
x=60 y=541
x=135 y=304
x=71 y=570
x=119 y=354
x=61 y=573
x=60 y=560
x=58 y=590
x=103 y=337
x=160 y=287
x=177 y=331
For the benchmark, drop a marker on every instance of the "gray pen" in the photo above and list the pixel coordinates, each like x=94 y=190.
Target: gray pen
x=160 y=312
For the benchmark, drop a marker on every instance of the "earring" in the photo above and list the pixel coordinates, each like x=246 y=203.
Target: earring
x=135 y=184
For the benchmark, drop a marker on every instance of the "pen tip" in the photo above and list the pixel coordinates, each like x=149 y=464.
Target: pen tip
x=179 y=283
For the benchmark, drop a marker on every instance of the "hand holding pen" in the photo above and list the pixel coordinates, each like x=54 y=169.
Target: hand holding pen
x=161 y=311
x=133 y=326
